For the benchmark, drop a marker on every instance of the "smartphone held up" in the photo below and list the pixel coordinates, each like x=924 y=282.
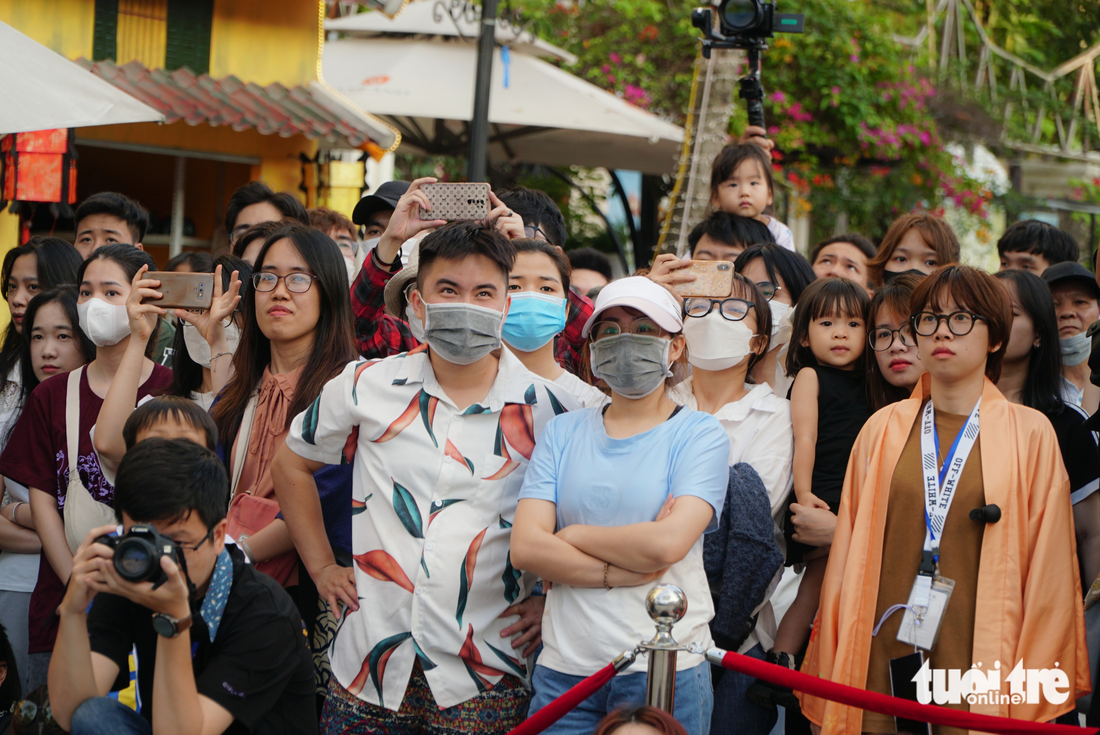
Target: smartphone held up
x=713 y=279
x=456 y=201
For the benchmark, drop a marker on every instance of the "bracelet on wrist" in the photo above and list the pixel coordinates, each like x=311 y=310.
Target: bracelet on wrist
x=382 y=263
x=220 y=354
x=606 y=586
x=243 y=543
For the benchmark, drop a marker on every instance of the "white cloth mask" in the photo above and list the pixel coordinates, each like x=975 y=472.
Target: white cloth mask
x=716 y=343
x=105 y=324
x=198 y=349
x=781 y=324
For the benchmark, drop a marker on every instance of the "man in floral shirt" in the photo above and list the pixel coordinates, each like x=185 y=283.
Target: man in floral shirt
x=440 y=437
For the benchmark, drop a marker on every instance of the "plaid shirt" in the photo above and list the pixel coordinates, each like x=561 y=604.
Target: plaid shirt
x=378 y=335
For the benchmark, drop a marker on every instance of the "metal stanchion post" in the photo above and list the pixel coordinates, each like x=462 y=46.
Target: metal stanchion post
x=666 y=604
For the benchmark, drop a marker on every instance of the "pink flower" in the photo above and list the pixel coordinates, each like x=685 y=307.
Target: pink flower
x=854 y=58
x=926 y=137
x=606 y=69
x=773 y=130
x=779 y=97
x=615 y=58
x=835 y=90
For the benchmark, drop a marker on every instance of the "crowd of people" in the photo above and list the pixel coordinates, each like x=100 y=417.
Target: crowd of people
x=412 y=476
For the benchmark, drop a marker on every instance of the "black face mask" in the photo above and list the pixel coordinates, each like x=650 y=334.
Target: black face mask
x=889 y=276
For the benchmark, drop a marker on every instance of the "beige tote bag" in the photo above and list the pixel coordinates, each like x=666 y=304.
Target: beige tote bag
x=82 y=511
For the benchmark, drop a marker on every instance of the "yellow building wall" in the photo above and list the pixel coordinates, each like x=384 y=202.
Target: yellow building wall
x=66 y=26
x=264 y=42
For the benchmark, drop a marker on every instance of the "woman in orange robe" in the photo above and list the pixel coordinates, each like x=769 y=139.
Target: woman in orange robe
x=1017 y=595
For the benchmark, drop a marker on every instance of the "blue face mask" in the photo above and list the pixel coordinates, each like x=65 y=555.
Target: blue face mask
x=533 y=320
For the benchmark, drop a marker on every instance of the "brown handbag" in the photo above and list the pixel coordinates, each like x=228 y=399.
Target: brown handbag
x=248 y=514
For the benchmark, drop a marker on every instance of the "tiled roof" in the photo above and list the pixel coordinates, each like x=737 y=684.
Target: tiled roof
x=311 y=110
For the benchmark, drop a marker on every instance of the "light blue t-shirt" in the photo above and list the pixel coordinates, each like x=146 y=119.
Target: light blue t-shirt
x=599 y=481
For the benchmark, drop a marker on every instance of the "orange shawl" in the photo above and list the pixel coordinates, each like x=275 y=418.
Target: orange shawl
x=1034 y=617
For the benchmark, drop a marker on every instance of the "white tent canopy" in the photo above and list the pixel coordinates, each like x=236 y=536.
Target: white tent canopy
x=42 y=90
x=543 y=115
x=431 y=19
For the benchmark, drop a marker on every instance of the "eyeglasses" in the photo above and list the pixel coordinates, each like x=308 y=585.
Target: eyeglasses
x=533 y=231
x=733 y=310
x=640 y=327
x=25 y=713
x=209 y=535
x=961 y=323
x=883 y=338
x=769 y=289
x=295 y=282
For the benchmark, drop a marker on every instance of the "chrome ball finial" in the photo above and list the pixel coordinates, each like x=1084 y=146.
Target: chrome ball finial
x=666 y=604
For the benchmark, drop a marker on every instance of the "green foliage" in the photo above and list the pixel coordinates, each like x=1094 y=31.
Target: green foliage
x=848 y=111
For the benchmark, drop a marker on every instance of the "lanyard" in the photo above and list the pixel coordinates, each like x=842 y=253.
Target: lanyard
x=940 y=487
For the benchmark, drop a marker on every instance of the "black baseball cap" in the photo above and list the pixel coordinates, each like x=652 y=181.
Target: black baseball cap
x=1070 y=271
x=385 y=197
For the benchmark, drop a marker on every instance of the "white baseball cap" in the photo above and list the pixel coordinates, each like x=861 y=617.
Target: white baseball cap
x=638 y=292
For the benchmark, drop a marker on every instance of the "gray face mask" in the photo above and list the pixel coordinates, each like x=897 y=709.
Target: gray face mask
x=1076 y=349
x=462 y=333
x=631 y=365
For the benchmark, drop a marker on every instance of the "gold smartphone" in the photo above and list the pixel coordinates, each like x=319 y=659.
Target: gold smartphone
x=456 y=201
x=713 y=279
x=183 y=290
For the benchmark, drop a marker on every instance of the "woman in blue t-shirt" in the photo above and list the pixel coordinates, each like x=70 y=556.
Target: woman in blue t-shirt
x=616 y=499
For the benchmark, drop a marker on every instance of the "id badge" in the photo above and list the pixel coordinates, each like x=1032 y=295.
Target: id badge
x=923 y=631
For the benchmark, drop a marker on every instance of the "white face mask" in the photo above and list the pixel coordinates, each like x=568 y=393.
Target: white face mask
x=415 y=325
x=715 y=343
x=105 y=324
x=781 y=323
x=198 y=349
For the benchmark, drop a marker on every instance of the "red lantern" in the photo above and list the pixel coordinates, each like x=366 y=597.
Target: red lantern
x=38 y=167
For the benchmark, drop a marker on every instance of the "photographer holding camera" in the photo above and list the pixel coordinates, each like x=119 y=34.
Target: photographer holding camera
x=218 y=646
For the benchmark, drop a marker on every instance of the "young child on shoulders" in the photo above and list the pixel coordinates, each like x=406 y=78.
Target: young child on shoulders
x=741 y=183
x=829 y=406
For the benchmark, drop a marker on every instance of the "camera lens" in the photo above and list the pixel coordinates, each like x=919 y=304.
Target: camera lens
x=135 y=559
x=739 y=14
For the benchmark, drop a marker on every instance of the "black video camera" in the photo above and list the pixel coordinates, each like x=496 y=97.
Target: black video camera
x=138 y=553
x=743 y=24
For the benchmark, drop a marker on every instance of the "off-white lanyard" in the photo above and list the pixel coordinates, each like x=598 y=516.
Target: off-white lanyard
x=939 y=489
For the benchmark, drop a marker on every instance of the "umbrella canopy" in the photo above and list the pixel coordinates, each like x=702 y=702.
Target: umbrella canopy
x=537 y=112
x=43 y=90
x=434 y=19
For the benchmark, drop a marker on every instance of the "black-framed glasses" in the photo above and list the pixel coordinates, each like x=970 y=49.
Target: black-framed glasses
x=533 y=232
x=640 y=327
x=733 y=310
x=294 y=282
x=882 y=339
x=769 y=289
x=209 y=536
x=960 y=323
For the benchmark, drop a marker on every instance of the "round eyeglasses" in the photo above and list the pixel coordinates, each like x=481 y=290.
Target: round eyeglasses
x=294 y=282
x=733 y=310
x=769 y=289
x=641 y=327
x=960 y=323
x=883 y=338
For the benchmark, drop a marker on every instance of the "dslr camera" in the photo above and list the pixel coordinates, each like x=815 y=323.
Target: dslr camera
x=743 y=24
x=138 y=553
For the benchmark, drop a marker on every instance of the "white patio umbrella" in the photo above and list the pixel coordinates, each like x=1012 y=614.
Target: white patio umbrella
x=42 y=90
x=538 y=113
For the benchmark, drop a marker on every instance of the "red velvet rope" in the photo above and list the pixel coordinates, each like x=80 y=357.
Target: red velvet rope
x=564 y=704
x=883 y=704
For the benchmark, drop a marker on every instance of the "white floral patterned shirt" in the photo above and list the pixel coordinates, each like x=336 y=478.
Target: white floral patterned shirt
x=434 y=494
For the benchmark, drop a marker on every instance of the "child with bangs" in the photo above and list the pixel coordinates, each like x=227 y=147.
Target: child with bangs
x=829 y=406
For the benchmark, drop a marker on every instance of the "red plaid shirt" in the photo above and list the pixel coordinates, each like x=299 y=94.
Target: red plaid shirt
x=378 y=335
